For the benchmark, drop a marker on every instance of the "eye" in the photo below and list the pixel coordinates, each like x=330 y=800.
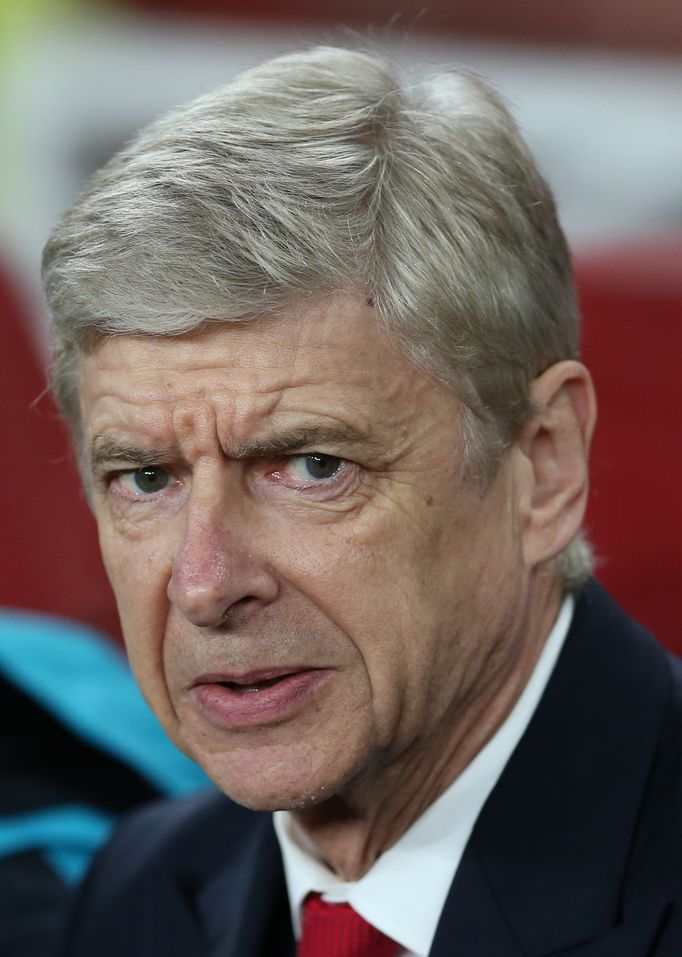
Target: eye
x=316 y=466
x=145 y=481
x=311 y=471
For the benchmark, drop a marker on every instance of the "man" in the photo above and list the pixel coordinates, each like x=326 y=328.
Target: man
x=316 y=335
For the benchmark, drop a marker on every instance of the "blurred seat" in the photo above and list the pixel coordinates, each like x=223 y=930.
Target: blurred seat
x=49 y=560
x=632 y=341
x=75 y=753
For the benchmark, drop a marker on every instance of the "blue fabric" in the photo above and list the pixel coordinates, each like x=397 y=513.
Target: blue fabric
x=68 y=836
x=83 y=680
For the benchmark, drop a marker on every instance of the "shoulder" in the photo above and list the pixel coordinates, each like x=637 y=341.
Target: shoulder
x=604 y=637
x=143 y=882
x=170 y=824
x=192 y=836
x=618 y=684
x=632 y=694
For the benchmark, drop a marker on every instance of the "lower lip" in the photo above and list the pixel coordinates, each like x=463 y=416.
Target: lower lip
x=238 y=709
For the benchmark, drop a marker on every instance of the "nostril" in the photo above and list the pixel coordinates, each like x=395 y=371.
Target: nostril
x=241 y=610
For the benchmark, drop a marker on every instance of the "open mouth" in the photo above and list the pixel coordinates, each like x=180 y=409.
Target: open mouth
x=249 y=687
x=258 y=697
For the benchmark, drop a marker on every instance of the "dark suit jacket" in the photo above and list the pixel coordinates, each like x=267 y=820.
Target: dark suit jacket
x=577 y=852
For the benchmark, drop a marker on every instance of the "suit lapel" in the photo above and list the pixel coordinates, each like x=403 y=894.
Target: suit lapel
x=472 y=923
x=169 y=925
x=634 y=939
x=544 y=868
x=244 y=909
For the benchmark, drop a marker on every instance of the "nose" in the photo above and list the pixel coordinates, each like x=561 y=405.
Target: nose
x=216 y=581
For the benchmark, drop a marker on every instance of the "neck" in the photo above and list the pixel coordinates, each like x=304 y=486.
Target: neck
x=353 y=828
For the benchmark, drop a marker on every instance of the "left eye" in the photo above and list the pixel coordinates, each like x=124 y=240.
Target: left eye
x=310 y=469
x=320 y=467
x=145 y=480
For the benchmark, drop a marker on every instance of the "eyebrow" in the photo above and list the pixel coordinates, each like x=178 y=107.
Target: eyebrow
x=306 y=437
x=287 y=442
x=106 y=451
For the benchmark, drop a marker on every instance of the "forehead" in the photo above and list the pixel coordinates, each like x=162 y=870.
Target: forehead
x=331 y=360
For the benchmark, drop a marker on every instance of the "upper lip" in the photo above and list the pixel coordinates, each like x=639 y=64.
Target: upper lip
x=249 y=677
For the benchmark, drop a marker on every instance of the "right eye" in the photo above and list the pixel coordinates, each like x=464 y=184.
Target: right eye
x=145 y=481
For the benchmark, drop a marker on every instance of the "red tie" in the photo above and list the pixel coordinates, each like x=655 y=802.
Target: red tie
x=336 y=930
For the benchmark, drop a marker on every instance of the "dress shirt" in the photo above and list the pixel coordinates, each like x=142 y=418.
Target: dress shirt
x=404 y=891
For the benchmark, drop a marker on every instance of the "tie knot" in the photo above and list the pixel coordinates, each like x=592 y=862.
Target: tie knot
x=336 y=930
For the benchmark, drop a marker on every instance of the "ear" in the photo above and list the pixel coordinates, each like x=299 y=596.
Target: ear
x=555 y=447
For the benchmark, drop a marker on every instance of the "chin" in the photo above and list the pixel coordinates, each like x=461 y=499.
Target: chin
x=273 y=795
x=272 y=781
x=278 y=801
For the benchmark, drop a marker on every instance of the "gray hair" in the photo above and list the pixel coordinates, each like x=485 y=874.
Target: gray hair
x=320 y=172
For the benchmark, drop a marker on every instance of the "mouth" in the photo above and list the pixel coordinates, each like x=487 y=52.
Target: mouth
x=254 y=685
x=256 y=698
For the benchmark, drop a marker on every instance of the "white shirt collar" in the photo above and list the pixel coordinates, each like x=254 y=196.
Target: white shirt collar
x=428 y=853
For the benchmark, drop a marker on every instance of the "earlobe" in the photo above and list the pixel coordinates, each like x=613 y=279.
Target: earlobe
x=555 y=444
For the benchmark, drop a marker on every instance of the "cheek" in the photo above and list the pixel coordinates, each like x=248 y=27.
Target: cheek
x=139 y=573
x=419 y=593
x=377 y=582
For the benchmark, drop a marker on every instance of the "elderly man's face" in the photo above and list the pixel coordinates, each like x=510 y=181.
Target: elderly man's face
x=309 y=588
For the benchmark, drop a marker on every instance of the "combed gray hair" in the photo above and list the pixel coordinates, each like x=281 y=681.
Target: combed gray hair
x=321 y=172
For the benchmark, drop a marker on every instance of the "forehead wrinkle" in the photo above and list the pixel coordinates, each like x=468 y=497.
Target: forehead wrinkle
x=239 y=414
x=204 y=420
x=194 y=428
